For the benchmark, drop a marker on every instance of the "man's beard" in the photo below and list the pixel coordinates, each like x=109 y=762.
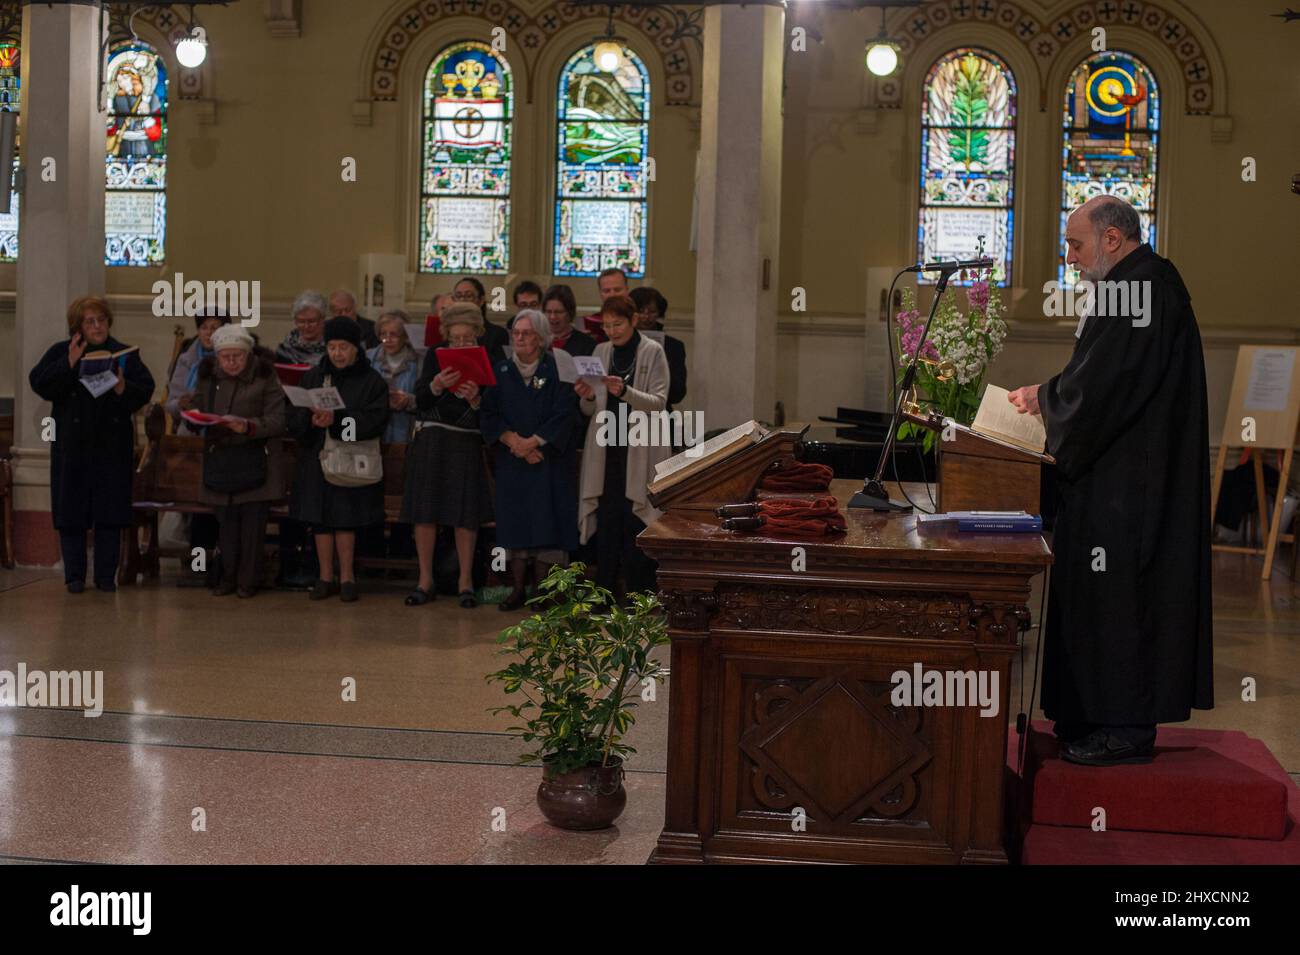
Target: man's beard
x=1100 y=269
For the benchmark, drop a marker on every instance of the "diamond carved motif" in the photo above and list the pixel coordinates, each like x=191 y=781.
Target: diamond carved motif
x=868 y=751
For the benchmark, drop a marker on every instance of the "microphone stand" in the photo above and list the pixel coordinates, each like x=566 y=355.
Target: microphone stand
x=873 y=494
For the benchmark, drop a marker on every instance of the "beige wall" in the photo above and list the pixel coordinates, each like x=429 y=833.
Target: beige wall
x=258 y=194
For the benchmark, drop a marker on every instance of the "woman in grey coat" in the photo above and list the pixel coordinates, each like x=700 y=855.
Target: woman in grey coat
x=240 y=381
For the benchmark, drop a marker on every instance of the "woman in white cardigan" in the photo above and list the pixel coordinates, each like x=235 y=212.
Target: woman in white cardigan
x=613 y=497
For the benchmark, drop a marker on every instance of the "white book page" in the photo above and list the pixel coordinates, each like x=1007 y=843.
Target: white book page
x=998 y=416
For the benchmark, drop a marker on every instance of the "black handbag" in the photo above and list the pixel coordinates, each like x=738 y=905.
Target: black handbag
x=228 y=467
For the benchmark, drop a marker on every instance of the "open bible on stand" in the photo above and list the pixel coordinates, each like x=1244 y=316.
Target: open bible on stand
x=998 y=419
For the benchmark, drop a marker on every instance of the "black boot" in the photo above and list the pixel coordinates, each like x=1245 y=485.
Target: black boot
x=519 y=575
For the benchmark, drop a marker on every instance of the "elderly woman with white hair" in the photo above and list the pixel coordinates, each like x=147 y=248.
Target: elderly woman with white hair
x=445 y=478
x=305 y=345
x=398 y=364
x=242 y=462
x=530 y=421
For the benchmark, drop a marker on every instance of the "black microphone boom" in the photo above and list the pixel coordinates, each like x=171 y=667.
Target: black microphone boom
x=951 y=267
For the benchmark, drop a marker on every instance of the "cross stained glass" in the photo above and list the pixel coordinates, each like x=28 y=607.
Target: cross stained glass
x=968 y=147
x=135 y=199
x=1111 y=128
x=10 y=101
x=465 y=175
x=603 y=141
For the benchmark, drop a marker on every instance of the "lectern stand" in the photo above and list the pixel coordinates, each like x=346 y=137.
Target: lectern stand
x=784 y=744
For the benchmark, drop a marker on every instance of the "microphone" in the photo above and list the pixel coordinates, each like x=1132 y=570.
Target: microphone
x=985 y=263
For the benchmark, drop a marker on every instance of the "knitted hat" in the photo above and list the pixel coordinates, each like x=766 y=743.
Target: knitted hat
x=462 y=313
x=232 y=336
x=342 y=328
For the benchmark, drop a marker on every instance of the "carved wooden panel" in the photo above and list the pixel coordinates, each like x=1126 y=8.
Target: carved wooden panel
x=842 y=611
x=825 y=737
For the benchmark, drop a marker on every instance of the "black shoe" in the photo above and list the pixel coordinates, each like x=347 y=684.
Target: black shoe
x=467 y=599
x=321 y=589
x=419 y=597
x=107 y=586
x=348 y=591
x=514 y=601
x=247 y=592
x=76 y=586
x=224 y=589
x=1100 y=748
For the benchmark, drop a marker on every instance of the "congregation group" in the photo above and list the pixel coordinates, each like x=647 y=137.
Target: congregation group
x=505 y=453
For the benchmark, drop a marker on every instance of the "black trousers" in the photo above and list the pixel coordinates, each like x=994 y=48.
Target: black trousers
x=242 y=539
x=616 y=547
x=108 y=548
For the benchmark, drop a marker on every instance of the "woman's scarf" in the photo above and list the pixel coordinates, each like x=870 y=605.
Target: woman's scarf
x=192 y=380
x=526 y=371
x=300 y=352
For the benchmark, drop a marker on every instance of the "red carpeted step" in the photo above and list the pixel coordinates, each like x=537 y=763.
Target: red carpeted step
x=1201 y=783
x=1070 y=845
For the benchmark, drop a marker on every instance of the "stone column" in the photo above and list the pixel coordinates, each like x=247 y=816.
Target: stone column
x=61 y=232
x=739 y=214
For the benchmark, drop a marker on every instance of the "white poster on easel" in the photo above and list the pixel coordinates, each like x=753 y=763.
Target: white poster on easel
x=1269 y=386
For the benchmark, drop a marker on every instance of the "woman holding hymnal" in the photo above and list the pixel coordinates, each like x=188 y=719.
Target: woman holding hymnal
x=95 y=384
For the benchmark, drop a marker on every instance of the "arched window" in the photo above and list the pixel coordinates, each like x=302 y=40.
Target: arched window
x=603 y=138
x=10 y=101
x=135 y=200
x=1112 y=124
x=465 y=162
x=968 y=151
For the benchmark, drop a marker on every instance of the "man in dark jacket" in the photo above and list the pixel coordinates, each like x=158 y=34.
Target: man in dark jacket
x=92 y=454
x=1128 y=632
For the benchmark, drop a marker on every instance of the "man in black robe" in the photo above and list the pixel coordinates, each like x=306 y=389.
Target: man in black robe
x=1128 y=640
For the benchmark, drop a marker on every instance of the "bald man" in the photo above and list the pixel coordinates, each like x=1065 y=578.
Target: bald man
x=343 y=304
x=1128 y=632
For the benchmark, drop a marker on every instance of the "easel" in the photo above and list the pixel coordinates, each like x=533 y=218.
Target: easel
x=1275 y=429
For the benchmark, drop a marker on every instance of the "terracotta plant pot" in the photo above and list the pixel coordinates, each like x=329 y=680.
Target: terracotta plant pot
x=588 y=798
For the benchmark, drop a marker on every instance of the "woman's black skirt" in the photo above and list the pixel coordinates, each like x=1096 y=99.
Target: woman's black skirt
x=446 y=481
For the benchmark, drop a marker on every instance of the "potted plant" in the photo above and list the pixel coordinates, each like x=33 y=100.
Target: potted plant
x=580 y=665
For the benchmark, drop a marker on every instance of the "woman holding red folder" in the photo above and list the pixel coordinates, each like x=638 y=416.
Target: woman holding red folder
x=445 y=478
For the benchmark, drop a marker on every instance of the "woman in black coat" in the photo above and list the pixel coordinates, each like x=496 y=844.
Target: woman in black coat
x=91 y=456
x=335 y=513
x=530 y=421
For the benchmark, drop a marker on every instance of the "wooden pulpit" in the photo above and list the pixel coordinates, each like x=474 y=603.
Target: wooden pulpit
x=784 y=741
x=978 y=473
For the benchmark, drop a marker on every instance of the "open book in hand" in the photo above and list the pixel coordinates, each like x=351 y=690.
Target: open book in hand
x=998 y=418
x=97 y=362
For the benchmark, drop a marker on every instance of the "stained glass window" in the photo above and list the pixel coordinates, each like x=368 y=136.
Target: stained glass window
x=1112 y=125
x=465 y=181
x=10 y=101
x=603 y=139
x=968 y=151
x=135 y=201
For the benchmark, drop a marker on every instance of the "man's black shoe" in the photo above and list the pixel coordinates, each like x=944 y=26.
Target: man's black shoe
x=1101 y=748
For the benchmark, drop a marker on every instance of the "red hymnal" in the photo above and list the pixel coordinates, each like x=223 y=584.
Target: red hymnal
x=472 y=363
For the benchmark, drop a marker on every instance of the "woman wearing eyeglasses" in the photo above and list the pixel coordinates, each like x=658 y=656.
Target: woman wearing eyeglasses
x=395 y=360
x=445 y=478
x=614 y=474
x=494 y=338
x=305 y=345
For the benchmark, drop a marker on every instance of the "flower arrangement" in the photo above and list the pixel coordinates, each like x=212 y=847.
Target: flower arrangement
x=957 y=352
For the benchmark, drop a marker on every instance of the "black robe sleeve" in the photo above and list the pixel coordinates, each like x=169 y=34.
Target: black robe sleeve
x=53 y=378
x=676 y=352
